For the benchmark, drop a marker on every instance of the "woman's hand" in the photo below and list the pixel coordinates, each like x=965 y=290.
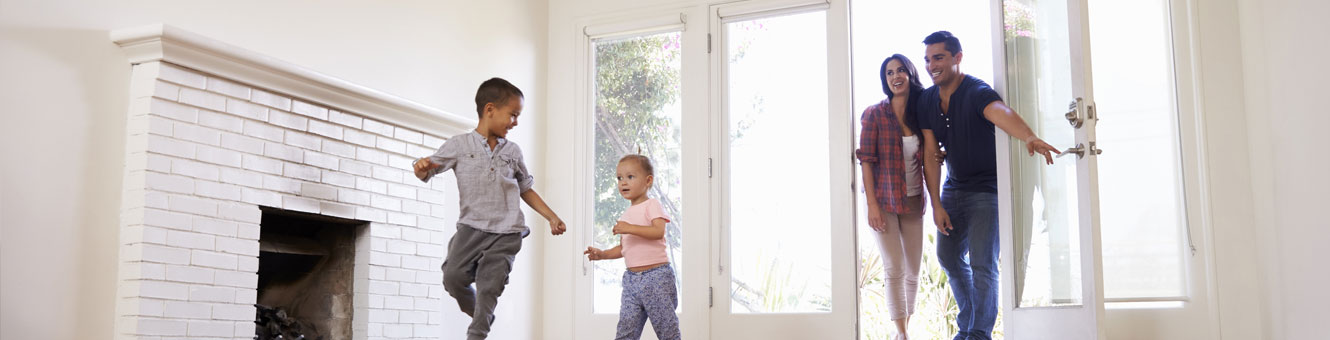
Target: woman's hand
x=875 y=220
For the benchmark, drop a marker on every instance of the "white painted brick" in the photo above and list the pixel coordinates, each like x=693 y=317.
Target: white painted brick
x=441 y=238
x=189 y=240
x=414 y=290
x=337 y=210
x=360 y=138
x=221 y=121
x=211 y=328
x=203 y=99
x=382 y=316
x=158 y=163
x=160 y=126
x=378 y=128
x=144 y=307
x=260 y=197
x=339 y=179
x=169 y=146
x=213 y=260
x=217 y=190
x=182 y=76
x=195 y=133
x=167 y=219
x=371 y=185
x=281 y=184
x=392 y=145
x=401 y=219
x=427 y=331
x=193 y=205
x=353 y=196
x=319 y=191
x=378 y=245
x=416 y=262
x=398 y=302
x=389 y=174
x=264 y=131
x=195 y=169
x=385 y=203
x=321 y=160
x=238 y=246
x=246 y=109
x=300 y=204
x=344 y=118
x=155 y=199
x=371 y=214
x=261 y=164
x=416 y=151
x=402 y=191
x=303 y=140
x=169 y=183
x=325 y=129
x=371 y=156
x=413 y=317
x=440 y=211
x=401 y=275
x=245 y=330
x=189 y=274
x=242 y=143
x=397 y=331
x=235 y=312
x=215 y=227
x=304 y=172
x=237 y=279
x=142 y=234
x=377 y=272
x=399 y=162
x=228 y=88
x=164 y=254
x=383 y=287
x=356 y=168
x=416 y=235
x=251 y=263
x=218 y=156
x=433 y=142
x=401 y=247
x=287 y=120
x=247 y=298
x=427 y=303
x=411 y=206
x=163 y=290
x=408 y=135
x=430 y=250
x=339 y=149
x=165 y=90
x=158 y=327
x=242 y=177
x=385 y=231
x=430 y=196
x=431 y=223
x=241 y=213
x=311 y=110
x=270 y=99
x=283 y=152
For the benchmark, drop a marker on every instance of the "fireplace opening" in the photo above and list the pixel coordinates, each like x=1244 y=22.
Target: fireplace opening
x=306 y=275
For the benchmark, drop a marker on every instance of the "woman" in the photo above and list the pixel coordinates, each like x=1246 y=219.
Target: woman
x=891 y=156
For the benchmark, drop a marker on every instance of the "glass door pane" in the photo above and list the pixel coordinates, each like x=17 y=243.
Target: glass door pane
x=1045 y=216
x=779 y=234
x=637 y=110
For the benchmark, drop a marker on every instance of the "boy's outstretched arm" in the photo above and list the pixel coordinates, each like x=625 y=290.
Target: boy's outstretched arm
x=533 y=199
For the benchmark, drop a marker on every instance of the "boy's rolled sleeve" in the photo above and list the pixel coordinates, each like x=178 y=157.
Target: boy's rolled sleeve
x=445 y=158
x=524 y=179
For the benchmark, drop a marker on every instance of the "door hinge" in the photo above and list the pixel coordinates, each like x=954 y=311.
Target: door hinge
x=711 y=297
x=708 y=42
x=710 y=172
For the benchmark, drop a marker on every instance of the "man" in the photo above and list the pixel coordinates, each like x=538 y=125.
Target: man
x=960 y=112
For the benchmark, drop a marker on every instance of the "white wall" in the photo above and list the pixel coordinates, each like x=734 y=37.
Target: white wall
x=62 y=170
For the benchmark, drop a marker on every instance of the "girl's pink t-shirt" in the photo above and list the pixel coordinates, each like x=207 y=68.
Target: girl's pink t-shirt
x=639 y=251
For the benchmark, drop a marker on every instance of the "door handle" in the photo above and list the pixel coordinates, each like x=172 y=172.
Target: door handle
x=1080 y=150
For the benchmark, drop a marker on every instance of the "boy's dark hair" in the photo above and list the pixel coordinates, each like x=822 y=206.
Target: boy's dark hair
x=497 y=91
x=953 y=44
x=642 y=161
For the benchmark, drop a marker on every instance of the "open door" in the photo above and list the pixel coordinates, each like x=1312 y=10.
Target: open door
x=1052 y=285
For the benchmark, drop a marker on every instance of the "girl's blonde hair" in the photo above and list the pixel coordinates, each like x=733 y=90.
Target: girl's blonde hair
x=642 y=161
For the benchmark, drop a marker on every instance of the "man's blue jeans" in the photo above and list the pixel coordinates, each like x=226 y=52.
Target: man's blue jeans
x=973 y=278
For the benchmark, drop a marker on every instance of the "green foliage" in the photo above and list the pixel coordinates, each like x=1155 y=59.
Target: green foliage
x=935 y=308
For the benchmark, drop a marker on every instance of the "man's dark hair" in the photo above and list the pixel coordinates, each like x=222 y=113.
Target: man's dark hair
x=497 y=91
x=953 y=45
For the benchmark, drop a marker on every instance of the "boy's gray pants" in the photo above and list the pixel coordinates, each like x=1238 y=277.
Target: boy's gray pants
x=486 y=259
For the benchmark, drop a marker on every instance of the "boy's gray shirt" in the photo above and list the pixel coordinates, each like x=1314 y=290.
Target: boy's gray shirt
x=489 y=183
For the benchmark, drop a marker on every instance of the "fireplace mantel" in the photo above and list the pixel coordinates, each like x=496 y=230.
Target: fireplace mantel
x=161 y=42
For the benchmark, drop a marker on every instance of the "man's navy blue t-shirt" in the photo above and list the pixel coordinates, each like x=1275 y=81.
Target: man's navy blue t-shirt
x=967 y=135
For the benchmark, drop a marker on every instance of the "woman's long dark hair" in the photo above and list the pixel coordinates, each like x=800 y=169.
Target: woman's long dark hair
x=912 y=103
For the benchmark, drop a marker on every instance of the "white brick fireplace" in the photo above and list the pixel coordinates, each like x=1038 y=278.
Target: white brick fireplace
x=214 y=133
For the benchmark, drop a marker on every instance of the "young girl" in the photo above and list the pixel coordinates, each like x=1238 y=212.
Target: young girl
x=648 y=284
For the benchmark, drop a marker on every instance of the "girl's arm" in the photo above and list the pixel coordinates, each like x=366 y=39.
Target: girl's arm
x=655 y=231
x=607 y=254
